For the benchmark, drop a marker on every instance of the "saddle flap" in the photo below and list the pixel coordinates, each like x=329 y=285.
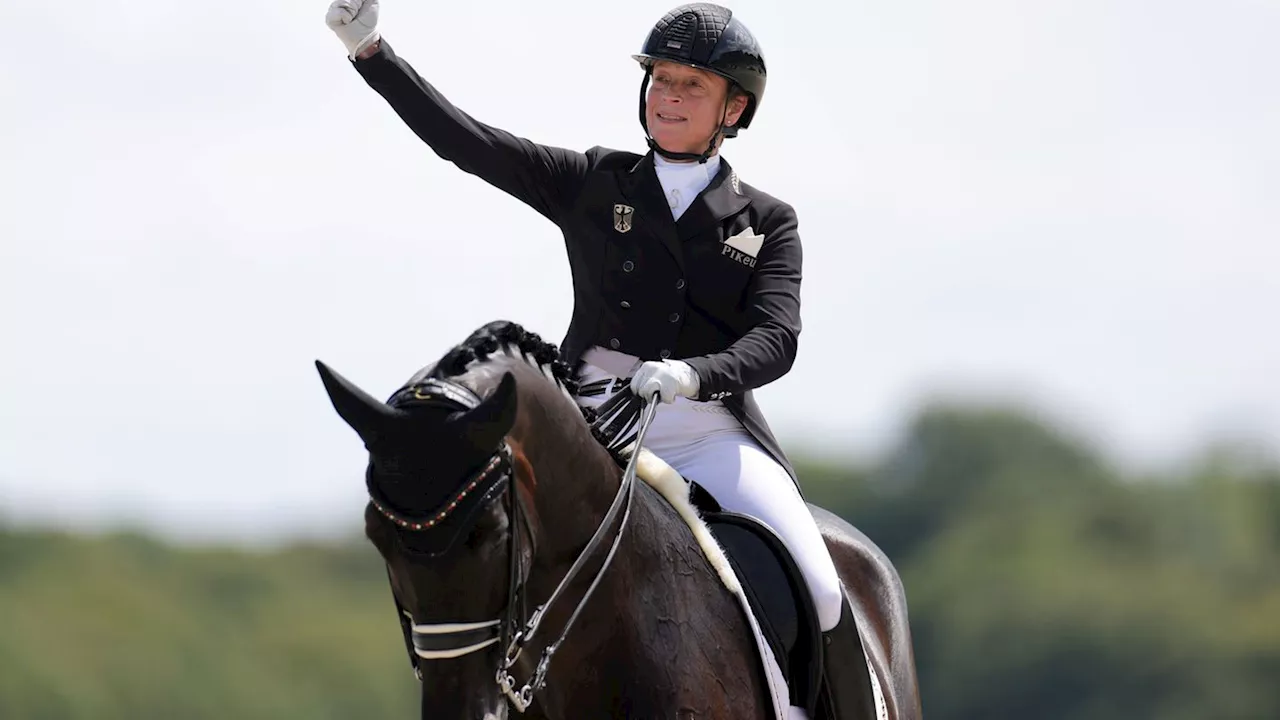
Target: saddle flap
x=778 y=595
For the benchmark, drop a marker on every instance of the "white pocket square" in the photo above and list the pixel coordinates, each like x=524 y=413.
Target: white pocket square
x=746 y=241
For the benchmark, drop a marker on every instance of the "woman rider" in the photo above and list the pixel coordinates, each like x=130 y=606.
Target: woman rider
x=686 y=279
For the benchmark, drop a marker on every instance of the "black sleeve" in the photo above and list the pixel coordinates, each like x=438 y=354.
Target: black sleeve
x=547 y=179
x=767 y=351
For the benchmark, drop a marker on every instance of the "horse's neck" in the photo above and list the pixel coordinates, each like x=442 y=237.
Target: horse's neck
x=575 y=488
x=574 y=479
x=659 y=631
x=646 y=632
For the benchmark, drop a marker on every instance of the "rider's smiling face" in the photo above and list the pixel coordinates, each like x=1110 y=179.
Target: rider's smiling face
x=685 y=105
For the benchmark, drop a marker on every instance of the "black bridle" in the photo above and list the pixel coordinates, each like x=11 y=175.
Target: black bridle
x=459 y=513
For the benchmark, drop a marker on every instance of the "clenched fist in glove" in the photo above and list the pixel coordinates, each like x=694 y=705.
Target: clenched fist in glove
x=669 y=378
x=355 y=22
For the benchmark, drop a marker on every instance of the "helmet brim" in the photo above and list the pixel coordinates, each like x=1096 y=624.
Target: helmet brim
x=648 y=61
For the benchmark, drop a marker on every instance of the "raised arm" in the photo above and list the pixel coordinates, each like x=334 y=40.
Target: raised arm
x=546 y=178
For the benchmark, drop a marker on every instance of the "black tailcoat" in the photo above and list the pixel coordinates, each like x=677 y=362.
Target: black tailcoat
x=719 y=288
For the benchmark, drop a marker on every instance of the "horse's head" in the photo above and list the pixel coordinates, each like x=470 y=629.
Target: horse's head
x=470 y=463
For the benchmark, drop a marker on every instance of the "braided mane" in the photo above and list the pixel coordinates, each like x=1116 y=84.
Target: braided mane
x=504 y=336
x=611 y=425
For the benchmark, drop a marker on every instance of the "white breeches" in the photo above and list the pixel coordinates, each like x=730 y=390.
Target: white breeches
x=706 y=444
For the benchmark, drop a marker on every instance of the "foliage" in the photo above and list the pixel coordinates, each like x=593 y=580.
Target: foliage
x=1042 y=584
x=123 y=627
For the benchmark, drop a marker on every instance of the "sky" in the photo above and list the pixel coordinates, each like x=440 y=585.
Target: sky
x=1075 y=205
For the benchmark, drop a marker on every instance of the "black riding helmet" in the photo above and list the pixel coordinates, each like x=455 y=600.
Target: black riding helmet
x=709 y=37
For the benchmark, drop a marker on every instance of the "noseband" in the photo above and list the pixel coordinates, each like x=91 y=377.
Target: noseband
x=516 y=628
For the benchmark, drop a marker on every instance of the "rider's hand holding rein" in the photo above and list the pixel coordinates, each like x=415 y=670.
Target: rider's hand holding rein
x=669 y=378
x=355 y=23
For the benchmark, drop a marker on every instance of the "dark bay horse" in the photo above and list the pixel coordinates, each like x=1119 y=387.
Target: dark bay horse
x=529 y=573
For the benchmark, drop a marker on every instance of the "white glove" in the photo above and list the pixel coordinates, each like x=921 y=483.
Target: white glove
x=355 y=23
x=669 y=378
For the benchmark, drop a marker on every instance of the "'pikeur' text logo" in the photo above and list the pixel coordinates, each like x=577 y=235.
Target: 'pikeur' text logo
x=622 y=217
x=743 y=247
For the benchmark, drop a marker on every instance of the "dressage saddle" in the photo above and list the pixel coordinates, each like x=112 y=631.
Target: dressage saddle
x=827 y=673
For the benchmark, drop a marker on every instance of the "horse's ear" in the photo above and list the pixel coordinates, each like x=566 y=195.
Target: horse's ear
x=369 y=417
x=491 y=420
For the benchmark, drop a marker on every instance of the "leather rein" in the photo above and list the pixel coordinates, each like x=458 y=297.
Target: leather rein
x=440 y=641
